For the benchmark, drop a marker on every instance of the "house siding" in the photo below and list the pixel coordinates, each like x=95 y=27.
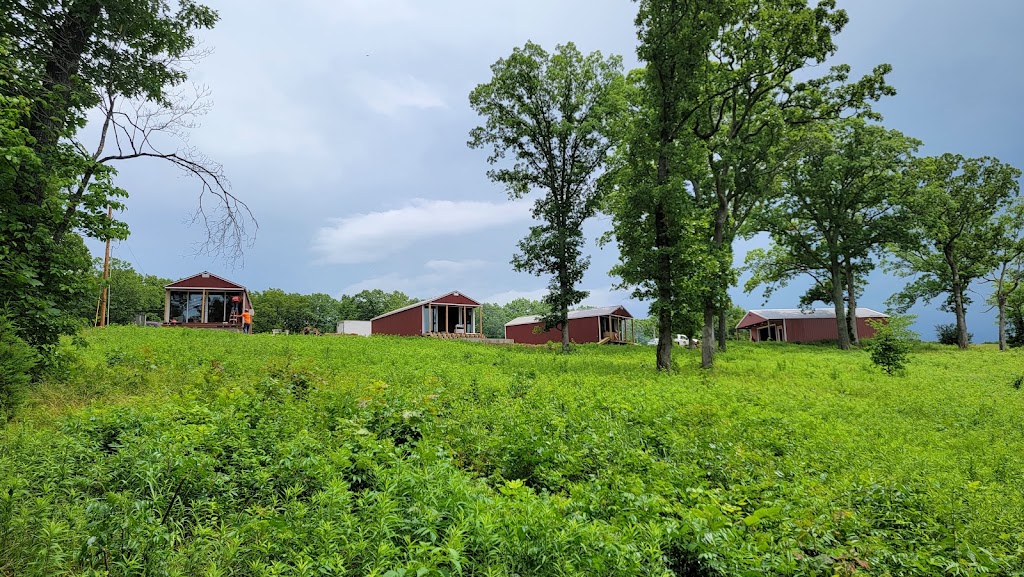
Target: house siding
x=406 y=323
x=581 y=331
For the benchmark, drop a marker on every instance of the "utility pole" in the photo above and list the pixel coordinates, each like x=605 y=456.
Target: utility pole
x=106 y=276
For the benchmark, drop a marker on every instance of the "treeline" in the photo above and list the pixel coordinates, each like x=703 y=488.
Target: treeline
x=725 y=132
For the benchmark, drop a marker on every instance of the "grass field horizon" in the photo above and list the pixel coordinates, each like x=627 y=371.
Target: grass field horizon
x=184 y=452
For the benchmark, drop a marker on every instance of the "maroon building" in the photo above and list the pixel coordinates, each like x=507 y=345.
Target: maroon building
x=205 y=300
x=800 y=326
x=606 y=324
x=451 y=315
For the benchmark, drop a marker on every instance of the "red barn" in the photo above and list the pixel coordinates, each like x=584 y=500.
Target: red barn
x=802 y=326
x=205 y=300
x=450 y=315
x=586 y=326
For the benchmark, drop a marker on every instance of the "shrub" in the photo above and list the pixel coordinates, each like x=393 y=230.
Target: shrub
x=890 y=347
x=17 y=360
x=948 y=334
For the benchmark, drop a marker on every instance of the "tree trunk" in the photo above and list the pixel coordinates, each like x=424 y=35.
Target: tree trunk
x=958 y=298
x=851 y=296
x=665 y=292
x=707 y=343
x=1001 y=300
x=723 y=330
x=842 y=329
x=665 y=280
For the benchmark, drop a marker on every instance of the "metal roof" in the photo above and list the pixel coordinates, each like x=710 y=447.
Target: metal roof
x=581 y=314
x=424 y=302
x=205 y=274
x=791 y=314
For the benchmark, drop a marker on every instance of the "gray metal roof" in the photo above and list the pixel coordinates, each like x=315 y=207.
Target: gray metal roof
x=581 y=314
x=818 y=313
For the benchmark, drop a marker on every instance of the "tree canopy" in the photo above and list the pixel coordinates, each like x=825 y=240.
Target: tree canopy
x=553 y=113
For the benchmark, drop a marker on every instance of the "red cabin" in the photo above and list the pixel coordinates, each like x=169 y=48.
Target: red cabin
x=452 y=315
x=606 y=324
x=205 y=300
x=802 y=326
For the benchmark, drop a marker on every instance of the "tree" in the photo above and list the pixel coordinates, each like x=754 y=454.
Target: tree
x=553 y=114
x=1008 y=275
x=372 y=303
x=127 y=60
x=748 y=100
x=890 y=346
x=131 y=293
x=718 y=90
x=495 y=316
x=953 y=231
x=840 y=204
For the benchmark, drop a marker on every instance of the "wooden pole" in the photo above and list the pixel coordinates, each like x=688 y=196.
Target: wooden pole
x=106 y=276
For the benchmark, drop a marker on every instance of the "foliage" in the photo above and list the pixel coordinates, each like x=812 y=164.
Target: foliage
x=276 y=309
x=840 y=203
x=495 y=315
x=955 y=229
x=715 y=99
x=891 y=344
x=1015 y=319
x=554 y=114
x=125 y=61
x=17 y=362
x=204 y=452
x=947 y=334
x=131 y=294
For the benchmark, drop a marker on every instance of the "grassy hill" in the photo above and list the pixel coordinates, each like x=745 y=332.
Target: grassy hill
x=181 y=452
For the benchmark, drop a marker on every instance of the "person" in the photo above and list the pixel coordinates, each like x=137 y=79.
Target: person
x=247 y=321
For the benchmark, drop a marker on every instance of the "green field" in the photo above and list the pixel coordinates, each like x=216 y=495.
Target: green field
x=184 y=452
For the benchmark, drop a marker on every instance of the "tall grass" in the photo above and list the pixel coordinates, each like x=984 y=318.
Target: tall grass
x=189 y=452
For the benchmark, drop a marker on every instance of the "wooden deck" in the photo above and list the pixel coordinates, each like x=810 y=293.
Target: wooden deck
x=217 y=326
x=455 y=335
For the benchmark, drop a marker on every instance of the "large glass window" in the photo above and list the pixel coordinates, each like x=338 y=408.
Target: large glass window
x=179 y=301
x=194 y=309
x=216 y=308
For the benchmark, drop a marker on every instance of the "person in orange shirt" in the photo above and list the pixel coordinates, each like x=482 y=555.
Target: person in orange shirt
x=247 y=321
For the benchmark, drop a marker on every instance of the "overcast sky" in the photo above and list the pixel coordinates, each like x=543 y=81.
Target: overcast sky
x=343 y=124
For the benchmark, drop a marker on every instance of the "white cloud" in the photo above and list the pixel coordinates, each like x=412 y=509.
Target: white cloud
x=389 y=96
x=373 y=236
x=505 y=297
x=452 y=267
x=364 y=12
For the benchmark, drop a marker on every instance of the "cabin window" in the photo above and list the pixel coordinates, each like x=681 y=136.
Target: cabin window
x=186 y=307
x=216 y=308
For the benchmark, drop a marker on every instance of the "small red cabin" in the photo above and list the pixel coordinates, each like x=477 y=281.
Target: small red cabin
x=450 y=315
x=205 y=300
x=606 y=324
x=802 y=326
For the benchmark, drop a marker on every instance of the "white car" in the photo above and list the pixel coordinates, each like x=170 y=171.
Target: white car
x=680 y=340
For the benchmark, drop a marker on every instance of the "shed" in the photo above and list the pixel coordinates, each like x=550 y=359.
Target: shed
x=802 y=326
x=361 y=328
x=205 y=300
x=451 y=315
x=611 y=324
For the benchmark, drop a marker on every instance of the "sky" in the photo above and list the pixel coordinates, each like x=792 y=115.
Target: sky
x=343 y=125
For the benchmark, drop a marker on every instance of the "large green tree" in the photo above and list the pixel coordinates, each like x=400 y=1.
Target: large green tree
x=1007 y=277
x=718 y=90
x=552 y=113
x=840 y=204
x=122 y=64
x=954 y=230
